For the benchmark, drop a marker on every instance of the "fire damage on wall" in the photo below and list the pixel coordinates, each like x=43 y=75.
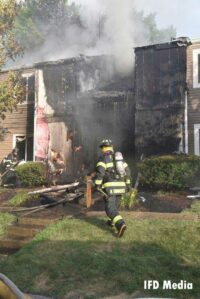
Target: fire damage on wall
x=78 y=102
x=160 y=87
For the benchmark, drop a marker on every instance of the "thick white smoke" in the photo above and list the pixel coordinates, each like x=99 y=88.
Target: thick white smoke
x=118 y=34
x=110 y=28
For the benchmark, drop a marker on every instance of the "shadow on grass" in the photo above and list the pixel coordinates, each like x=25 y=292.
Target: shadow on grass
x=91 y=269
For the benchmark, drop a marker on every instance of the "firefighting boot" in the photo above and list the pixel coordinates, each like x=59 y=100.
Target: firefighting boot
x=120 y=225
x=121 y=230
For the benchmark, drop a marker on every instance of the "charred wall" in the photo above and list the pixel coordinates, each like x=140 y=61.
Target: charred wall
x=160 y=82
x=79 y=102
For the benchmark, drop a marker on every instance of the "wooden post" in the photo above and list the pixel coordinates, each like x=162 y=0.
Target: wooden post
x=88 y=195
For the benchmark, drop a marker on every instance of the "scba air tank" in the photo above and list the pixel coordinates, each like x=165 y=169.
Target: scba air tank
x=119 y=164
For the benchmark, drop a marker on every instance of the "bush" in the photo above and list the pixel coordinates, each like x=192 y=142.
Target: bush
x=172 y=172
x=31 y=174
x=128 y=200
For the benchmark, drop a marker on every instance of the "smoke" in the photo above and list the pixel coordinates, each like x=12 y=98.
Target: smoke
x=115 y=30
x=110 y=27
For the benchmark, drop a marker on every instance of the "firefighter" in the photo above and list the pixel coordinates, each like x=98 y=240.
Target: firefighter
x=109 y=180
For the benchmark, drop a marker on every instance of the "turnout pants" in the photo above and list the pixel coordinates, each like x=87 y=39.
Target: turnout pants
x=111 y=209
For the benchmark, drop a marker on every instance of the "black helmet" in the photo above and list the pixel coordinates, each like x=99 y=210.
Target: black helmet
x=105 y=142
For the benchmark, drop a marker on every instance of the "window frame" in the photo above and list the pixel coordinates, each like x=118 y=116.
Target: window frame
x=196 y=68
x=26 y=76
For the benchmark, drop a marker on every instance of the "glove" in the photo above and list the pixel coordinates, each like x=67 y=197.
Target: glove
x=97 y=187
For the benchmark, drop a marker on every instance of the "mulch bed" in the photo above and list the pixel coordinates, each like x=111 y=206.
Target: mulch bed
x=166 y=203
x=163 y=203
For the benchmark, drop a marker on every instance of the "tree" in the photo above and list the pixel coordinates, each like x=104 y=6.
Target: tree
x=11 y=93
x=9 y=47
x=11 y=89
x=38 y=20
x=156 y=35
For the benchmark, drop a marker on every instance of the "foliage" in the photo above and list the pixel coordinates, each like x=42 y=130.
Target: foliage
x=156 y=35
x=31 y=174
x=81 y=258
x=9 y=47
x=128 y=200
x=38 y=20
x=41 y=21
x=12 y=92
x=5 y=219
x=172 y=172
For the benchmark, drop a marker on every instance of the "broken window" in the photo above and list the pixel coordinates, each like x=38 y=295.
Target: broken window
x=20 y=144
x=24 y=144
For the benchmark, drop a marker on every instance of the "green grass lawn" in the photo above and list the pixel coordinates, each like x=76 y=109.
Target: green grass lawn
x=21 y=197
x=18 y=198
x=5 y=219
x=194 y=209
x=82 y=257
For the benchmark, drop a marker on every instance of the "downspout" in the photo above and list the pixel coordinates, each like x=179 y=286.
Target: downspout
x=186 y=121
x=35 y=114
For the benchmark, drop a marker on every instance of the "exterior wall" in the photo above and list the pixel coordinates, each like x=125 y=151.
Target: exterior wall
x=19 y=122
x=160 y=76
x=77 y=105
x=193 y=96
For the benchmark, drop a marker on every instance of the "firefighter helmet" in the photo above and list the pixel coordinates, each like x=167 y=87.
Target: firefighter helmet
x=105 y=142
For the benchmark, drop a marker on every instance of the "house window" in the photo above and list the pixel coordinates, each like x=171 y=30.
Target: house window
x=29 y=83
x=24 y=144
x=197 y=139
x=196 y=68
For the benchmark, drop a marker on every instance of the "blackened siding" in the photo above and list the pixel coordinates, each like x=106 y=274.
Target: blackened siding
x=160 y=76
x=88 y=98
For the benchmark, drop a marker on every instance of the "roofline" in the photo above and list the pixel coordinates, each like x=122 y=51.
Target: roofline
x=175 y=42
x=22 y=68
x=54 y=62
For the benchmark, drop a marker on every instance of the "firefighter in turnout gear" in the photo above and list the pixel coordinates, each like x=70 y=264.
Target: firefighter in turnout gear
x=113 y=178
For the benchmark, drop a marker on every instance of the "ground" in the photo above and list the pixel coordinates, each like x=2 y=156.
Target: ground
x=80 y=257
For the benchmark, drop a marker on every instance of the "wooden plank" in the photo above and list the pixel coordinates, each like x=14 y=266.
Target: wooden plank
x=88 y=194
x=54 y=188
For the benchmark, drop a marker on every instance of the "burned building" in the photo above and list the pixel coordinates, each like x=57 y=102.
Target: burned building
x=70 y=106
x=167 y=96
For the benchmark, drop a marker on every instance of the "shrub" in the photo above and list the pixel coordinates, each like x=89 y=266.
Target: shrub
x=31 y=174
x=128 y=200
x=172 y=172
